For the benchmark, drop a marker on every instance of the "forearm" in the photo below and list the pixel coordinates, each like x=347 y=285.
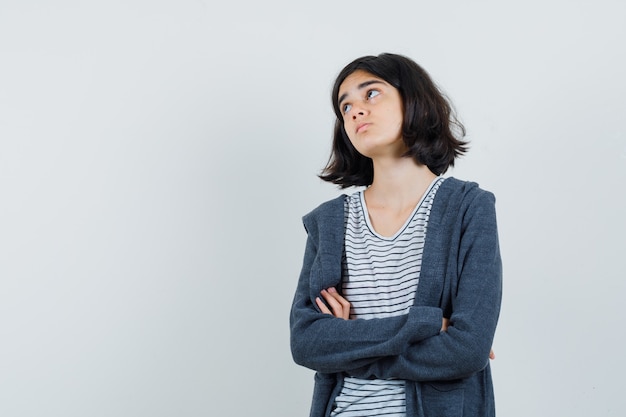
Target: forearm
x=474 y=295
x=328 y=344
x=452 y=354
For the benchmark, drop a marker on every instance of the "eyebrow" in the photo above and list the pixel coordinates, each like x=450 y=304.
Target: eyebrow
x=360 y=86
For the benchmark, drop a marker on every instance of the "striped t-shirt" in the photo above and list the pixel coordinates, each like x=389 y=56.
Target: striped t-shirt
x=380 y=277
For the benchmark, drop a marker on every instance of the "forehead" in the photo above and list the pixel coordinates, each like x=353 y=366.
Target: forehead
x=356 y=80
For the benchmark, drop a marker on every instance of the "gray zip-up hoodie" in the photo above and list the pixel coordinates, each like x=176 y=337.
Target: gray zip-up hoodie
x=446 y=373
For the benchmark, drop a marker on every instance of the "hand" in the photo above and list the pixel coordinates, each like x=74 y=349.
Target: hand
x=444 y=327
x=340 y=306
x=444 y=324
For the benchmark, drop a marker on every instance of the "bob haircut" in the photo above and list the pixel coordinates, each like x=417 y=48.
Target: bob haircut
x=430 y=130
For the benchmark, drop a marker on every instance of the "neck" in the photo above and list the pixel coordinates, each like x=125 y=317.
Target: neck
x=398 y=183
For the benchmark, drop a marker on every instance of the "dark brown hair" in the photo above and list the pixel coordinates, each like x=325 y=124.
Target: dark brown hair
x=430 y=130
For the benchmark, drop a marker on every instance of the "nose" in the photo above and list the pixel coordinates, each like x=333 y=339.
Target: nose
x=359 y=113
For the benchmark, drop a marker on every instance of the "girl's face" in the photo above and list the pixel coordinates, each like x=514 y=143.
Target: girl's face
x=372 y=115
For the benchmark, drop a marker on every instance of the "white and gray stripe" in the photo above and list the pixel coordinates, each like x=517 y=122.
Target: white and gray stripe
x=380 y=278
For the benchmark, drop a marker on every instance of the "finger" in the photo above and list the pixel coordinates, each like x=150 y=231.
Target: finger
x=444 y=324
x=345 y=304
x=336 y=306
x=322 y=306
x=492 y=354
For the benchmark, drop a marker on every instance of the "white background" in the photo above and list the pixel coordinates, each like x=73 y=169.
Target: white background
x=156 y=158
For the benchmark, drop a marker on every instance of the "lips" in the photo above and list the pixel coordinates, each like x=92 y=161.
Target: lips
x=361 y=126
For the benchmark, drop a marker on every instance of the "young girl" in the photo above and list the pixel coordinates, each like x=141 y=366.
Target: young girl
x=400 y=289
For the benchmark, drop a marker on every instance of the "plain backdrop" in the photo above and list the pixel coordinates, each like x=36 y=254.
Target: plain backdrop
x=156 y=158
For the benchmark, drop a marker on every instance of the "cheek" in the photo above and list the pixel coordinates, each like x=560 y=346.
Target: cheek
x=351 y=139
x=400 y=120
x=395 y=118
x=347 y=129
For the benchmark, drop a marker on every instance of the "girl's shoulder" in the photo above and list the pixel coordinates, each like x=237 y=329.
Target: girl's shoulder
x=326 y=215
x=456 y=198
x=453 y=188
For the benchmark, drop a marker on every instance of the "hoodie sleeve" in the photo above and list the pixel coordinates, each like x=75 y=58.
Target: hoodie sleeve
x=328 y=344
x=475 y=305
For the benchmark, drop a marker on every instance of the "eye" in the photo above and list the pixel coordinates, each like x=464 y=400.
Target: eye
x=346 y=108
x=372 y=93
